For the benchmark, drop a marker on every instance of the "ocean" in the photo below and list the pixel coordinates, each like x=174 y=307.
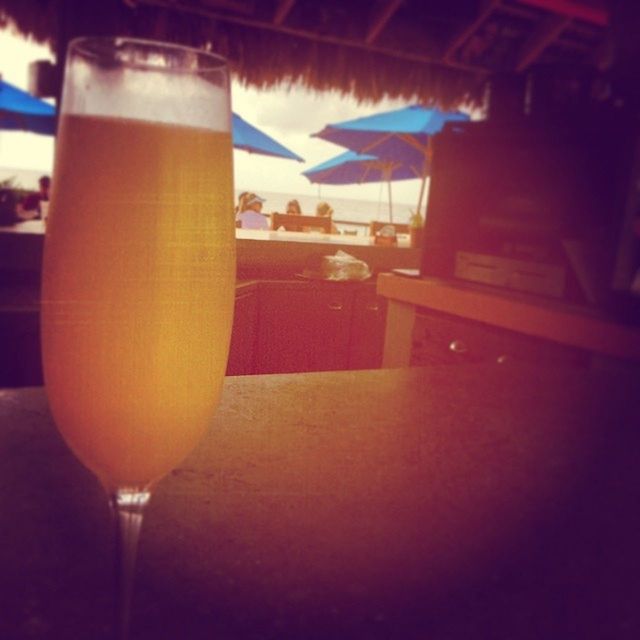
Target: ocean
x=23 y=178
x=349 y=214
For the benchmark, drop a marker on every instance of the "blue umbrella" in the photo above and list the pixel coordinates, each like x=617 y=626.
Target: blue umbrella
x=354 y=168
x=403 y=135
x=247 y=137
x=21 y=111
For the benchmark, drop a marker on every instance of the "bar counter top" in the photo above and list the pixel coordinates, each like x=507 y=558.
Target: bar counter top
x=446 y=503
x=259 y=253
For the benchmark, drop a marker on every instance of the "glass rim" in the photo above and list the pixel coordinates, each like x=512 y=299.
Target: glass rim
x=105 y=48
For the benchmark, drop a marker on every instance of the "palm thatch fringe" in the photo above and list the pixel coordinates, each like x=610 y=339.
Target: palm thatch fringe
x=258 y=57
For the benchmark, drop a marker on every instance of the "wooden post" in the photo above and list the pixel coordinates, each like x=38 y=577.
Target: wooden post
x=422 y=186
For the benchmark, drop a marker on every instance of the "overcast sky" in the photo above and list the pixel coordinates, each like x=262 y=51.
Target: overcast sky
x=289 y=115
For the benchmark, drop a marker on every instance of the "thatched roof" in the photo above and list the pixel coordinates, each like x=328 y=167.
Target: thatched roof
x=440 y=52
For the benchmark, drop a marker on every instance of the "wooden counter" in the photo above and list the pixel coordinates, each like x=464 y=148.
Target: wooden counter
x=573 y=326
x=437 y=503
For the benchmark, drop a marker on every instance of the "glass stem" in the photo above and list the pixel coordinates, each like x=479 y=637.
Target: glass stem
x=128 y=508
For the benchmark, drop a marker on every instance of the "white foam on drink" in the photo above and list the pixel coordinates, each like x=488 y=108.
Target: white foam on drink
x=149 y=95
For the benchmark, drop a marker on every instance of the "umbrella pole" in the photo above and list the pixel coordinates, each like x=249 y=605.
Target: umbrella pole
x=422 y=186
x=390 y=202
x=427 y=171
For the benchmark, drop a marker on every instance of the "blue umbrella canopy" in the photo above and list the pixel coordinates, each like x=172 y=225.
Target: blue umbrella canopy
x=247 y=137
x=354 y=168
x=22 y=112
x=402 y=135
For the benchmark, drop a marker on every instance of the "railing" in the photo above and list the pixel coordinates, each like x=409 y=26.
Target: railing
x=346 y=226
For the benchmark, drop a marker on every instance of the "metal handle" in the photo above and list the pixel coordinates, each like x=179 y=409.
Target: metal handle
x=373 y=307
x=458 y=347
x=503 y=359
x=335 y=306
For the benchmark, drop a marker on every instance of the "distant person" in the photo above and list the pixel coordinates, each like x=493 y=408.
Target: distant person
x=239 y=207
x=45 y=187
x=293 y=208
x=324 y=210
x=250 y=216
x=241 y=199
x=35 y=205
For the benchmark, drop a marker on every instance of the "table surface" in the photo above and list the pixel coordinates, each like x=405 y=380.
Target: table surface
x=441 y=503
x=260 y=254
x=315 y=237
x=37 y=227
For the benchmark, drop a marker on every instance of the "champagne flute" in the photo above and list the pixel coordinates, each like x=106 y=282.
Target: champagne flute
x=139 y=266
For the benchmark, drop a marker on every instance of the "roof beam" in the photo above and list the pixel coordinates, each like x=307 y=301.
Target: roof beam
x=240 y=6
x=283 y=8
x=459 y=39
x=380 y=17
x=530 y=13
x=591 y=13
x=548 y=31
x=398 y=54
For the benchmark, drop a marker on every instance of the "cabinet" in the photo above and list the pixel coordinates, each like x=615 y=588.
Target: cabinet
x=20 y=360
x=304 y=326
x=242 y=350
x=441 y=338
x=20 y=353
x=434 y=321
x=368 y=319
x=319 y=326
x=278 y=327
